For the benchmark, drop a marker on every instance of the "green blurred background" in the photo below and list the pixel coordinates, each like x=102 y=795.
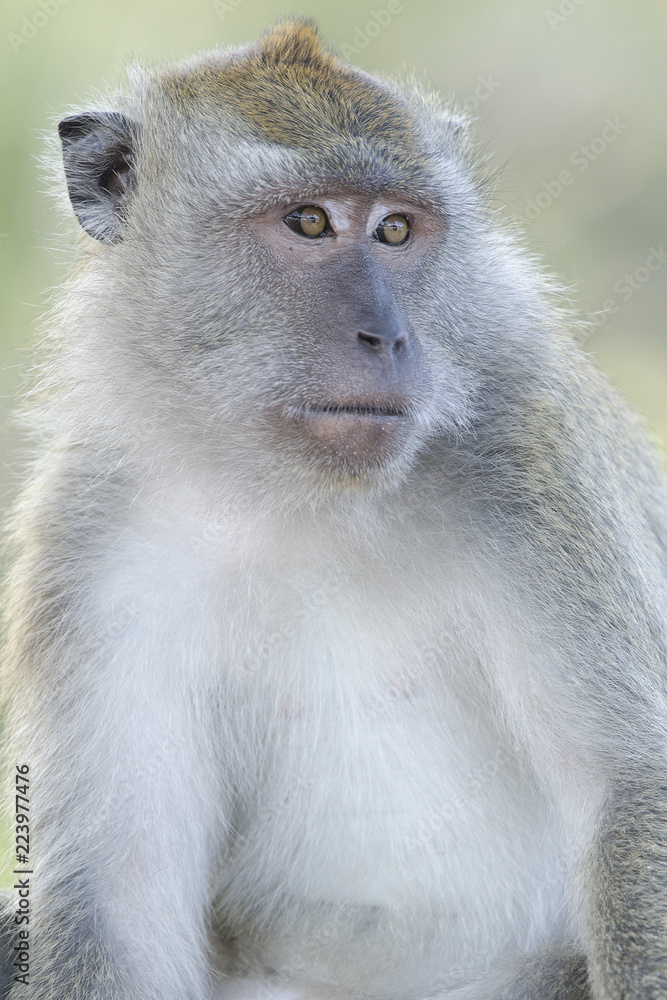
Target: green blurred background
x=556 y=85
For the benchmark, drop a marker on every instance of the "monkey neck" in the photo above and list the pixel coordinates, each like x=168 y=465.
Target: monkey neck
x=348 y=523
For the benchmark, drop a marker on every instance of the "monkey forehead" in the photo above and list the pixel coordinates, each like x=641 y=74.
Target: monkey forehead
x=258 y=175
x=287 y=89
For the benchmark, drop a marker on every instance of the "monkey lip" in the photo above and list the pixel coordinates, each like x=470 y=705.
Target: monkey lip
x=333 y=410
x=354 y=434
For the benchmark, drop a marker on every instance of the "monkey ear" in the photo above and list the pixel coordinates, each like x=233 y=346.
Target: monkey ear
x=98 y=156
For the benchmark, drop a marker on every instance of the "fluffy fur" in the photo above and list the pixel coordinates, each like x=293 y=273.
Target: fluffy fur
x=301 y=731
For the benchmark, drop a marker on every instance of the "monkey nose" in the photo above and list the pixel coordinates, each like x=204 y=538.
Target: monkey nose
x=386 y=343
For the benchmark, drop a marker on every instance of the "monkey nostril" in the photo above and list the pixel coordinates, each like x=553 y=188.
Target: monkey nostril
x=370 y=339
x=376 y=343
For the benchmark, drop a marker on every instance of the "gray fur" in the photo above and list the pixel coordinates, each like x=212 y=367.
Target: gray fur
x=302 y=727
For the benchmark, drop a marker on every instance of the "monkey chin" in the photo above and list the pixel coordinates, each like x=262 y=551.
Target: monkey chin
x=357 y=446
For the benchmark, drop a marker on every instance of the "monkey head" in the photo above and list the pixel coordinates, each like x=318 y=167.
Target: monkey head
x=318 y=265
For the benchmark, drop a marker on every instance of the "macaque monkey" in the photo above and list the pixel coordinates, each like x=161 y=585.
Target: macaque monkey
x=337 y=628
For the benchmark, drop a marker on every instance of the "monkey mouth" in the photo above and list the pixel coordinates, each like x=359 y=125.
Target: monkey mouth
x=333 y=409
x=352 y=435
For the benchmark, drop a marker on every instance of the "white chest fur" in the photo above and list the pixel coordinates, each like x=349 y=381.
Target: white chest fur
x=379 y=826
x=379 y=797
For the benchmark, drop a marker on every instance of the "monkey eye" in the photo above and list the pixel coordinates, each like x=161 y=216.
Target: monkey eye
x=394 y=229
x=308 y=220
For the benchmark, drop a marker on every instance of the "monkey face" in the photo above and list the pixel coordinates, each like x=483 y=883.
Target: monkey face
x=351 y=395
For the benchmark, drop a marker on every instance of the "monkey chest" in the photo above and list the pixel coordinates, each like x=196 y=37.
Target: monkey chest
x=371 y=779
x=379 y=816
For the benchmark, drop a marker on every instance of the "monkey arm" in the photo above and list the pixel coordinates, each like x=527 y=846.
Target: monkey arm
x=553 y=974
x=580 y=500
x=121 y=870
x=122 y=785
x=624 y=906
x=606 y=585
